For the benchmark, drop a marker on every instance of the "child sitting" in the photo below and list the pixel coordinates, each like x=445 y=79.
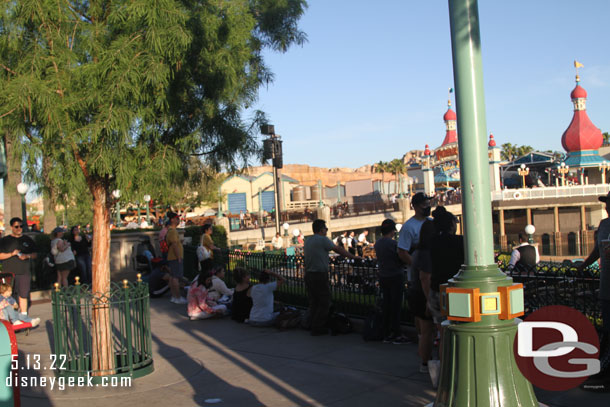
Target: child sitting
x=242 y=303
x=8 y=307
x=219 y=291
x=262 y=313
x=199 y=306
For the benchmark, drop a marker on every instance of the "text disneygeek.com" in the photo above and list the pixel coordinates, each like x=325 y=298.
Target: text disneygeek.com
x=62 y=382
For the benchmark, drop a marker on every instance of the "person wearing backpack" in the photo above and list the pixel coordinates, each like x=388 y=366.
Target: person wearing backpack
x=162 y=243
x=391 y=280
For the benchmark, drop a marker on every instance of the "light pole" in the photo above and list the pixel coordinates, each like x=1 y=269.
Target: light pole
x=117 y=208
x=22 y=188
x=523 y=172
x=602 y=168
x=338 y=191
x=563 y=170
x=478 y=366
x=320 y=203
x=285 y=226
x=530 y=230
x=147 y=200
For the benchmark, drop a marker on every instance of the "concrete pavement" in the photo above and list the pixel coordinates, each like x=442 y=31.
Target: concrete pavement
x=221 y=362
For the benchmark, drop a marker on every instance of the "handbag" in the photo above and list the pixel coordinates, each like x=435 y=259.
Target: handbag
x=203 y=253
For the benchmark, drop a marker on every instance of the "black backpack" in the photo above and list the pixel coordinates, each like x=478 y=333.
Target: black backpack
x=339 y=324
x=373 y=325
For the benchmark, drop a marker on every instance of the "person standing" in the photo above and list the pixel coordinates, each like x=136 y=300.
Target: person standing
x=601 y=251
x=391 y=280
x=175 y=255
x=16 y=251
x=63 y=255
x=408 y=241
x=316 y=251
x=80 y=247
x=525 y=256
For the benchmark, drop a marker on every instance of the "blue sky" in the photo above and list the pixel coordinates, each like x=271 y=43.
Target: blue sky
x=372 y=81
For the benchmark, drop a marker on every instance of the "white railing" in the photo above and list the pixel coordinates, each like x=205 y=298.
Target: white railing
x=302 y=204
x=550 y=192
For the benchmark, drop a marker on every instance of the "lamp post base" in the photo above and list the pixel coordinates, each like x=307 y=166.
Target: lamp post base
x=479 y=368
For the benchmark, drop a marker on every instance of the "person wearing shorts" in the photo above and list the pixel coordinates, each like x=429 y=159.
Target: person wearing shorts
x=175 y=256
x=16 y=251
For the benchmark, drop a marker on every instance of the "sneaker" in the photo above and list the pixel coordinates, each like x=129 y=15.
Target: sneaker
x=388 y=339
x=18 y=322
x=434 y=368
x=173 y=300
x=401 y=340
x=35 y=322
x=181 y=300
x=423 y=368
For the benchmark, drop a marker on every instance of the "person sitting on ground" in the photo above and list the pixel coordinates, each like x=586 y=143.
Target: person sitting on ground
x=262 y=313
x=8 y=308
x=242 y=302
x=219 y=291
x=277 y=242
x=199 y=306
x=158 y=281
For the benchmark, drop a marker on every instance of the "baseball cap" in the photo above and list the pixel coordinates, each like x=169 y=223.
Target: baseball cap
x=171 y=215
x=604 y=198
x=58 y=229
x=419 y=198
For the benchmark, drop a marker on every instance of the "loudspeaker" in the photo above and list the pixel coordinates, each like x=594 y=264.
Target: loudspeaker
x=268 y=129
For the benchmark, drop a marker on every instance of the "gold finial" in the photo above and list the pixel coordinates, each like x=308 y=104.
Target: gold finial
x=139 y=275
x=77 y=280
x=56 y=285
x=125 y=283
x=449 y=97
x=577 y=65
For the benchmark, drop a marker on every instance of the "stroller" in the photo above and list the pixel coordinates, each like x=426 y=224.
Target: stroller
x=7 y=278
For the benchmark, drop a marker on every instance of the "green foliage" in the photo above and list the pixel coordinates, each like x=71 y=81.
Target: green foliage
x=118 y=94
x=219 y=236
x=511 y=152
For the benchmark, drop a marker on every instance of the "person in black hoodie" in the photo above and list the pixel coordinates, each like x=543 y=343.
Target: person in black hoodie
x=80 y=247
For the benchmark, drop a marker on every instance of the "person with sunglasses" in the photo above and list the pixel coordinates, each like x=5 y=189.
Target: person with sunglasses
x=16 y=251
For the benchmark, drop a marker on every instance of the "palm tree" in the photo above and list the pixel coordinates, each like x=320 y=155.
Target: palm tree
x=381 y=167
x=397 y=167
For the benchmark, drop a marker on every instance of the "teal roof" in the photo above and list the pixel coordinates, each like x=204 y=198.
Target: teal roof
x=534 y=157
x=444 y=177
x=584 y=159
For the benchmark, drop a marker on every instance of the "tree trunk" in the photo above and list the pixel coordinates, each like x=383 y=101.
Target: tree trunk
x=48 y=197
x=12 y=199
x=102 y=353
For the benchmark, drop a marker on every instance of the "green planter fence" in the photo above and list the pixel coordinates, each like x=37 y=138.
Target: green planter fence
x=129 y=316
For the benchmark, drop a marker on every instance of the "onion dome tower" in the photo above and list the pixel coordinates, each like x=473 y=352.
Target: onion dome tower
x=582 y=139
x=450 y=119
x=492 y=141
x=448 y=151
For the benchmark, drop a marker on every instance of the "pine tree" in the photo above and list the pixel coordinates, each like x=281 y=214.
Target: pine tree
x=118 y=94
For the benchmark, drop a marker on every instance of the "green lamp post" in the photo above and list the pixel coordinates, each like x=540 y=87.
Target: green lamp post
x=320 y=203
x=147 y=199
x=478 y=365
x=117 y=209
x=338 y=191
x=219 y=202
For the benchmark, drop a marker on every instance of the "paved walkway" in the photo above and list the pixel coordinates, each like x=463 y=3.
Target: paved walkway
x=244 y=366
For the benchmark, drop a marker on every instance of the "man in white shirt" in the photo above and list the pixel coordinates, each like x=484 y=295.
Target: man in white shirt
x=277 y=242
x=524 y=255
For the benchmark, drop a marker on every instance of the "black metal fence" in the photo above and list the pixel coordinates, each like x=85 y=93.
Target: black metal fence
x=355 y=289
